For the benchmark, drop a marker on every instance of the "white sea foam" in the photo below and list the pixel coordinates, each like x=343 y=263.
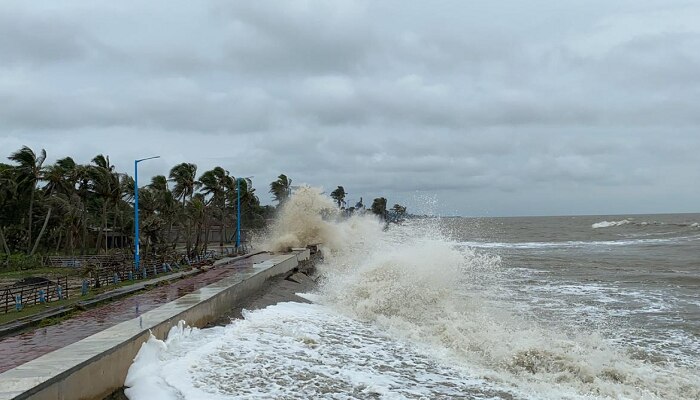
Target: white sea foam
x=293 y=351
x=402 y=314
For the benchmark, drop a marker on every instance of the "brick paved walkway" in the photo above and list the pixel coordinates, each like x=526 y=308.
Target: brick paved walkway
x=26 y=346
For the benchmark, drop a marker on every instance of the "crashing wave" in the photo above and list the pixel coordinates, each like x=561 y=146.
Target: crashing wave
x=414 y=284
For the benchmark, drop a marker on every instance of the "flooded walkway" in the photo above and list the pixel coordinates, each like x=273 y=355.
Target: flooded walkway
x=21 y=348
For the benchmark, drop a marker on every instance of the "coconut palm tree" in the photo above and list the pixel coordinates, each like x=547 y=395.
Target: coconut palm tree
x=339 y=196
x=197 y=211
x=281 y=189
x=106 y=185
x=167 y=206
x=184 y=176
x=8 y=191
x=379 y=207
x=30 y=168
x=214 y=184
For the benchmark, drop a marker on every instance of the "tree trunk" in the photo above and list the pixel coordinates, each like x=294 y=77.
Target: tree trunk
x=41 y=233
x=31 y=210
x=84 y=239
x=206 y=236
x=103 y=234
x=2 y=239
x=60 y=238
x=114 y=224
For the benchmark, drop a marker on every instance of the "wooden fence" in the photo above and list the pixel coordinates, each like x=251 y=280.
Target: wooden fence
x=38 y=291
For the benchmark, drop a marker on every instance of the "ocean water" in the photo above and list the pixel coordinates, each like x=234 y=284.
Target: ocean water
x=501 y=308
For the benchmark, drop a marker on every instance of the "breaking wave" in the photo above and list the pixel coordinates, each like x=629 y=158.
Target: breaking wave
x=411 y=285
x=607 y=224
x=429 y=290
x=579 y=243
x=631 y=221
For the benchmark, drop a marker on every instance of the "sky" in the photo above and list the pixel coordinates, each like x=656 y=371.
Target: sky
x=475 y=108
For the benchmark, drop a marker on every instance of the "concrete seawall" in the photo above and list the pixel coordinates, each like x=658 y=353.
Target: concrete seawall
x=96 y=366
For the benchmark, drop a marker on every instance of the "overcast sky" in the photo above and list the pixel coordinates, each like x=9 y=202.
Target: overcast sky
x=473 y=107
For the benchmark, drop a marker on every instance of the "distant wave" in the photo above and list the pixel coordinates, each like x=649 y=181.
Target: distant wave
x=577 y=243
x=607 y=224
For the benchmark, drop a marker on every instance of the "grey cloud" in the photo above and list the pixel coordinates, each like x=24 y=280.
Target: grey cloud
x=493 y=108
x=34 y=40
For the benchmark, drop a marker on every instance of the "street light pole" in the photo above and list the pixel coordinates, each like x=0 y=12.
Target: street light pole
x=137 y=255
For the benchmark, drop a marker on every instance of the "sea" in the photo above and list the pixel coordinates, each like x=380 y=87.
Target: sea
x=572 y=307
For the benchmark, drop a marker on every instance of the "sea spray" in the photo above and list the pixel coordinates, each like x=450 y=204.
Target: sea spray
x=300 y=222
x=417 y=284
x=408 y=284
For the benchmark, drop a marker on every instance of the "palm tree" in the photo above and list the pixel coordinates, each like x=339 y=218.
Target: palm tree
x=167 y=204
x=281 y=189
x=379 y=207
x=8 y=191
x=30 y=169
x=184 y=175
x=197 y=211
x=339 y=196
x=106 y=185
x=215 y=184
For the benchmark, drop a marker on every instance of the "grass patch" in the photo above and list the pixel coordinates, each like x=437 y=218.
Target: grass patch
x=8 y=274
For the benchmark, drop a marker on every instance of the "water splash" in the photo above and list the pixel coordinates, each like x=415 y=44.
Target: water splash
x=410 y=284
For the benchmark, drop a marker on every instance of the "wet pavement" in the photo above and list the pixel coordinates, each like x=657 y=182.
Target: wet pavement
x=26 y=346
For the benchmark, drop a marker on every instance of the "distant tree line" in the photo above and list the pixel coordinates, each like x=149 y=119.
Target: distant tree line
x=71 y=208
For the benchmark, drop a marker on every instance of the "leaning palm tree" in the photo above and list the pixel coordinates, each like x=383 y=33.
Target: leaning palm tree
x=8 y=192
x=184 y=176
x=30 y=168
x=215 y=184
x=105 y=184
x=281 y=188
x=339 y=196
x=379 y=207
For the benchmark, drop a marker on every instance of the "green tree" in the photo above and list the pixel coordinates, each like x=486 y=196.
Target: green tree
x=379 y=207
x=215 y=184
x=281 y=189
x=105 y=184
x=184 y=176
x=30 y=168
x=339 y=196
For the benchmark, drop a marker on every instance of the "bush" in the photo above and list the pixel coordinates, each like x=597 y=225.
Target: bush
x=20 y=262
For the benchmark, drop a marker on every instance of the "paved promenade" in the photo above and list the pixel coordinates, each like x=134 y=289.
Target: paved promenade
x=21 y=348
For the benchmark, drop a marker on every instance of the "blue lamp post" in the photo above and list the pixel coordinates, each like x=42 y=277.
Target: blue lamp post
x=238 y=211
x=137 y=258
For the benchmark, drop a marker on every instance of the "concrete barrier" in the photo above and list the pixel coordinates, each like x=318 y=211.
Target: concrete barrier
x=96 y=366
